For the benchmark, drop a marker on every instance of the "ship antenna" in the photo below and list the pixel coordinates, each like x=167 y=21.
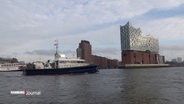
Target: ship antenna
x=56 y=54
x=56 y=44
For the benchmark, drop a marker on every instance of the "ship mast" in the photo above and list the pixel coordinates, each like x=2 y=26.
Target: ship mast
x=56 y=54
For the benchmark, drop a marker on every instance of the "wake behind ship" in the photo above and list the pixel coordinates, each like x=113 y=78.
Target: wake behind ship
x=61 y=65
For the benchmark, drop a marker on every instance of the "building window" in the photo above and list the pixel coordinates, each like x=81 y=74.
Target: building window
x=134 y=58
x=142 y=58
x=134 y=55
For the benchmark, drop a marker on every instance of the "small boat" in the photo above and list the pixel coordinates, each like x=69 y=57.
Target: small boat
x=61 y=65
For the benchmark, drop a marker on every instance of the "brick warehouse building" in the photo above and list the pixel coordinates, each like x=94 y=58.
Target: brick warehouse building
x=137 y=48
x=84 y=51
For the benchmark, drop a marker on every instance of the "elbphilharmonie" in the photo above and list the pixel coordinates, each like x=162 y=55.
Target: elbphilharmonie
x=137 y=48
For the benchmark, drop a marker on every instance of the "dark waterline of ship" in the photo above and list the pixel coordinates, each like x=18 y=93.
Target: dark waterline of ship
x=112 y=86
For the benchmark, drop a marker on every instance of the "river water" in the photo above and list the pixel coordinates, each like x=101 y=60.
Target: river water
x=111 y=86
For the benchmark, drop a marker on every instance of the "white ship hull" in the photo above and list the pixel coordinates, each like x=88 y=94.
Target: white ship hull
x=9 y=67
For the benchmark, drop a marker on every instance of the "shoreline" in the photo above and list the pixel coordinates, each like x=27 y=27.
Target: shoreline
x=129 y=66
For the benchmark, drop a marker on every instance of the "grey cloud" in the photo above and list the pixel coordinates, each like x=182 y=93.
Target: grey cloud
x=111 y=52
x=50 y=52
x=106 y=50
x=172 y=51
x=172 y=48
x=40 y=52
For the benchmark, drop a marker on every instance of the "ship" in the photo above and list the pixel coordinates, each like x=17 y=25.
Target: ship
x=60 y=65
x=10 y=64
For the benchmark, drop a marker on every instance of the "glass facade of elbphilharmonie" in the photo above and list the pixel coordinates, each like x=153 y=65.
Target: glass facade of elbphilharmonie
x=133 y=39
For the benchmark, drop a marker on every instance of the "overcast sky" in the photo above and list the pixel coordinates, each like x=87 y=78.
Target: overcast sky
x=28 y=28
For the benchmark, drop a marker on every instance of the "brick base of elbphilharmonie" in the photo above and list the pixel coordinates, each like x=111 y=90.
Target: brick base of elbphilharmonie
x=139 y=59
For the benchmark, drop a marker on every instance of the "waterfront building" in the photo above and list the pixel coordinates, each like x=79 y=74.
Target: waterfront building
x=84 y=51
x=177 y=60
x=137 y=48
x=174 y=60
